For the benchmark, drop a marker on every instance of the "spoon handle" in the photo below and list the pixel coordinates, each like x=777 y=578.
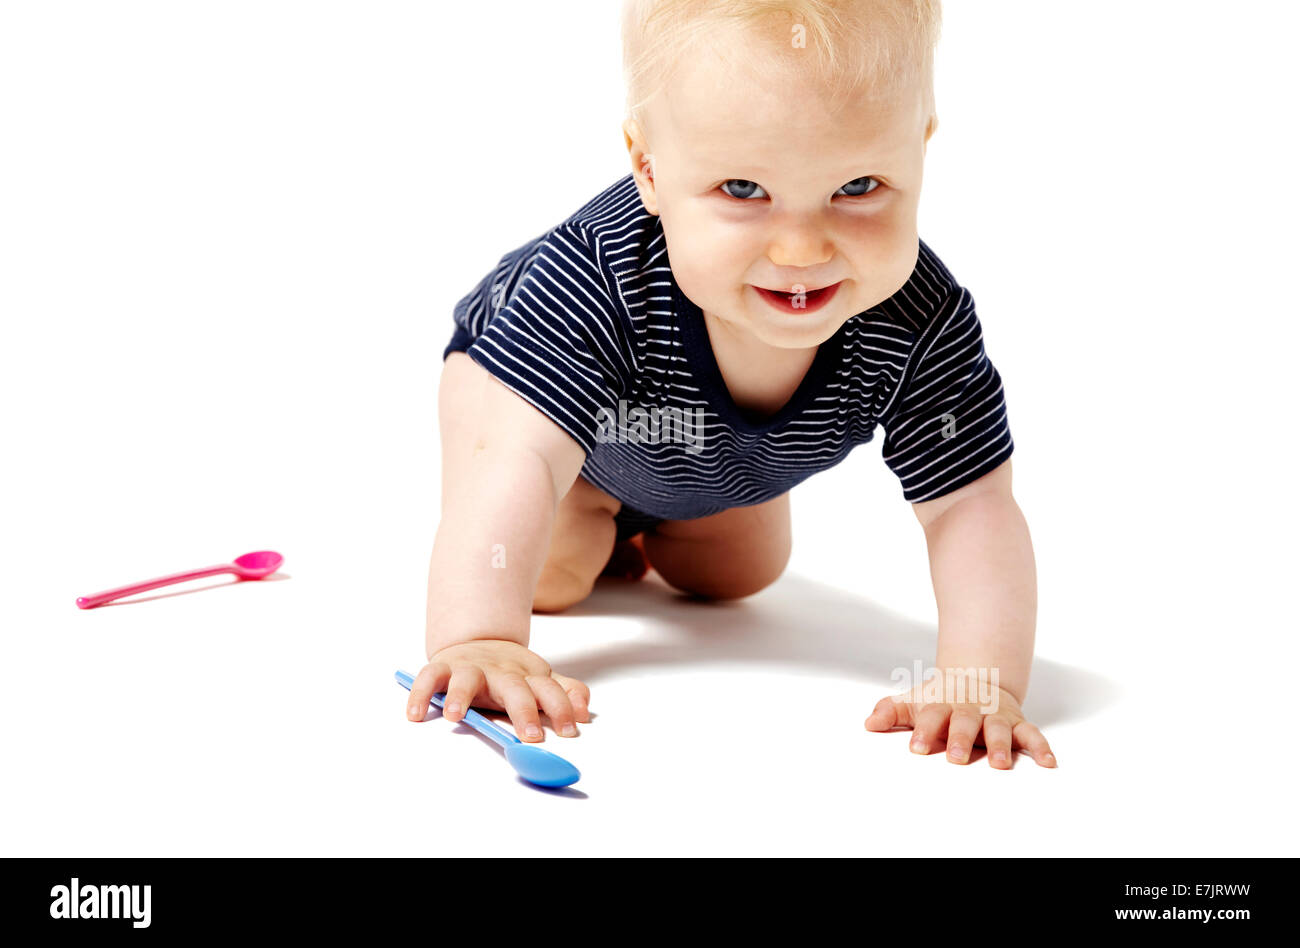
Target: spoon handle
x=98 y=599
x=472 y=717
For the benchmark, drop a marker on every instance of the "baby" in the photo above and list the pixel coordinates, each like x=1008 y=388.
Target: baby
x=648 y=379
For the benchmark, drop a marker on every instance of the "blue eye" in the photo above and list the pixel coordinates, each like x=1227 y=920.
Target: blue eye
x=743 y=190
x=851 y=187
x=747 y=188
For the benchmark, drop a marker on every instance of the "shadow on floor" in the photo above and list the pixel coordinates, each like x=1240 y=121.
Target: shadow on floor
x=800 y=622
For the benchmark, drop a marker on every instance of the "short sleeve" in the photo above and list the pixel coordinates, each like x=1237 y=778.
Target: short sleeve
x=545 y=324
x=947 y=423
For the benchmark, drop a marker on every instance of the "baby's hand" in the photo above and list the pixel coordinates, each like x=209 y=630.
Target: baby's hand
x=1002 y=727
x=504 y=676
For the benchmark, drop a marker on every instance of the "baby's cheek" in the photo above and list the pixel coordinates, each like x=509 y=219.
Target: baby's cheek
x=909 y=249
x=709 y=264
x=887 y=251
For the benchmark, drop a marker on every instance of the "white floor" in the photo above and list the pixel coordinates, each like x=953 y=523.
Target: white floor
x=246 y=718
x=221 y=334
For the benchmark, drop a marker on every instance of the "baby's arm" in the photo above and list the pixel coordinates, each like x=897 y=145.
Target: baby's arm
x=982 y=567
x=505 y=468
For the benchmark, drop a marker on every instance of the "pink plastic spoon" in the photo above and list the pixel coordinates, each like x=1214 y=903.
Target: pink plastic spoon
x=249 y=566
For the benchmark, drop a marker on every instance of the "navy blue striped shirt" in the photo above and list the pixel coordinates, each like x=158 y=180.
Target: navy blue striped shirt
x=587 y=324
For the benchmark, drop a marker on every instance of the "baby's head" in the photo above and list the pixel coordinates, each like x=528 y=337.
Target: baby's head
x=781 y=143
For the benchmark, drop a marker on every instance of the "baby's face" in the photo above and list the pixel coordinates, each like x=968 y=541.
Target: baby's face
x=759 y=187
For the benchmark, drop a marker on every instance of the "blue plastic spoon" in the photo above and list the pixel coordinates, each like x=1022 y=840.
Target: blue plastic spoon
x=530 y=761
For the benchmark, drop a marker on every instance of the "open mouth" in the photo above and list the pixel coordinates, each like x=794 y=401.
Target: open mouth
x=804 y=302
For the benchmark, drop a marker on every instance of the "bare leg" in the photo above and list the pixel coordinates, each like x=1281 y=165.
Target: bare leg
x=726 y=555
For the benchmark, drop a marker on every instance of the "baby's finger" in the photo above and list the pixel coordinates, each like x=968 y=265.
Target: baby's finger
x=963 y=728
x=466 y=682
x=997 y=738
x=930 y=723
x=888 y=713
x=579 y=696
x=520 y=703
x=1032 y=741
x=555 y=702
x=431 y=679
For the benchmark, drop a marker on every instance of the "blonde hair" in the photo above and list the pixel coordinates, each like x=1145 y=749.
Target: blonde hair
x=874 y=45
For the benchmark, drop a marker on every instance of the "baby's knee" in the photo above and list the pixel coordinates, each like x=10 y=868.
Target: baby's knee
x=741 y=585
x=558 y=588
x=741 y=577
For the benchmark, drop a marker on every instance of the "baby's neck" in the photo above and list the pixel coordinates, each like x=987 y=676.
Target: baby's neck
x=760 y=378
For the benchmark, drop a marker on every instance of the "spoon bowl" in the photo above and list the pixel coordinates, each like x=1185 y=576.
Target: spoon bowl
x=541 y=766
x=258 y=565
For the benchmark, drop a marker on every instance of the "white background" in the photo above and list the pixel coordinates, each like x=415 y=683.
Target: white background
x=231 y=237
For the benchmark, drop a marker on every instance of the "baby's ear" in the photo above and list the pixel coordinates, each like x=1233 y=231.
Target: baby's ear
x=931 y=124
x=643 y=168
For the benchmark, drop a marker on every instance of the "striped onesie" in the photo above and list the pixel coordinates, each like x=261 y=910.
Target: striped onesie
x=587 y=324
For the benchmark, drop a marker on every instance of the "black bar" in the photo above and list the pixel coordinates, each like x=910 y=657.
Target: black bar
x=330 y=895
